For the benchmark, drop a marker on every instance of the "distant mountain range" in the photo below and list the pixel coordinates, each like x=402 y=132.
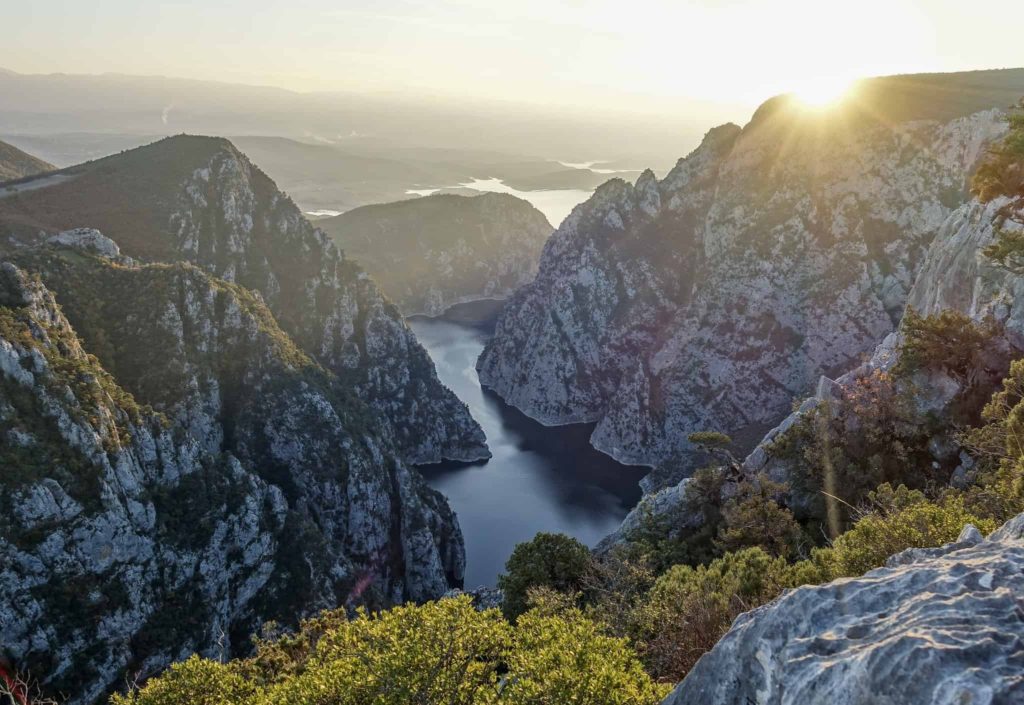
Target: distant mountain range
x=39 y=104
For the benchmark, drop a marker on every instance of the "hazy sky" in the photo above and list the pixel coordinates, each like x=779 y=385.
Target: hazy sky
x=655 y=53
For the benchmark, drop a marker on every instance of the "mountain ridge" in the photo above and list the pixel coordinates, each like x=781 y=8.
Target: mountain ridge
x=199 y=199
x=431 y=252
x=714 y=297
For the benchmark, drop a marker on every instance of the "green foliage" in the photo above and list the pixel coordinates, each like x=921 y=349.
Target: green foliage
x=754 y=516
x=901 y=519
x=444 y=652
x=664 y=540
x=197 y=681
x=710 y=439
x=1002 y=171
x=556 y=561
x=949 y=341
x=567 y=658
x=844 y=448
x=1008 y=250
x=715 y=444
x=440 y=652
x=998 y=444
x=689 y=609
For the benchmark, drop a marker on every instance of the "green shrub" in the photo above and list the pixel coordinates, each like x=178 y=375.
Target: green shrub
x=196 y=681
x=689 y=609
x=567 y=658
x=556 y=561
x=754 y=517
x=440 y=652
x=949 y=341
x=902 y=519
x=1001 y=173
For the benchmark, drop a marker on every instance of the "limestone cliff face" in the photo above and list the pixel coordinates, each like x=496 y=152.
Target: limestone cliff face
x=955 y=275
x=194 y=476
x=709 y=300
x=200 y=200
x=934 y=626
x=430 y=253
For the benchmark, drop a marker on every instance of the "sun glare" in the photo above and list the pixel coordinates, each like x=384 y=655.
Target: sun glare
x=822 y=94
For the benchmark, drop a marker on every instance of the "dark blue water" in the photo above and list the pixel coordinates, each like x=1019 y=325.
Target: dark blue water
x=539 y=478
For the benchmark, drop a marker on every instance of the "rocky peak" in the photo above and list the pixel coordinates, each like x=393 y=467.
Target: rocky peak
x=199 y=199
x=775 y=254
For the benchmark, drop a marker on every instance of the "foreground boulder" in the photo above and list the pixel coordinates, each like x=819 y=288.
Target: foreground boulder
x=935 y=626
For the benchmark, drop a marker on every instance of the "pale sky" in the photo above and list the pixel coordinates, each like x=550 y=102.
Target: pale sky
x=651 y=54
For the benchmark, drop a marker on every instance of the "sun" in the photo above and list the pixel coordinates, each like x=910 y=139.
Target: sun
x=820 y=94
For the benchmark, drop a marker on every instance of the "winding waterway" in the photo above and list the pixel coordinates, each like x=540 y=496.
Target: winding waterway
x=539 y=478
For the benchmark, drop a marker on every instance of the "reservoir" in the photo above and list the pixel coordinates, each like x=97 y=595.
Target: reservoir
x=539 y=478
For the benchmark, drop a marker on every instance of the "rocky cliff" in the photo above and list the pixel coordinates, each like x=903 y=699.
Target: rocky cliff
x=956 y=275
x=16 y=164
x=934 y=626
x=430 y=253
x=198 y=199
x=192 y=475
x=769 y=256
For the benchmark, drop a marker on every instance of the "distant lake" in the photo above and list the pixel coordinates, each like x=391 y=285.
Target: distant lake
x=540 y=478
x=556 y=204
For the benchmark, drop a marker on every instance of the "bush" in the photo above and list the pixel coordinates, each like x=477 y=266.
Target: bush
x=754 y=517
x=196 y=681
x=998 y=445
x=689 y=609
x=950 y=341
x=440 y=652
x=1002 y=171
x=567 y=658
x=555 y=561
x=901 y=519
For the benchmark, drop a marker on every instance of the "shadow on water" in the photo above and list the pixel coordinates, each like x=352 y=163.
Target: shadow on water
x=539 y=479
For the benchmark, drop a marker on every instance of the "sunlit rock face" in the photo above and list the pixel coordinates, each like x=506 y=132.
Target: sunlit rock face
x=430 y=253
x=194 y=476
x=955 y=275
x=934 y=627
x=711 y=299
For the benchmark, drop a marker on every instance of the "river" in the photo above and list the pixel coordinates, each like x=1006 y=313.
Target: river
x=539 y=478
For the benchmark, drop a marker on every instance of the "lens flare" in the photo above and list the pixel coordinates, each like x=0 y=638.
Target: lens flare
x=820 y=94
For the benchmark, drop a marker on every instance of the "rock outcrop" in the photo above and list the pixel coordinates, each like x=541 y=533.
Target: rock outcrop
x=198 y=199
x=430 y=253
x=769 y=256
x=192 y=475
x=89 y=240
x=934 y=626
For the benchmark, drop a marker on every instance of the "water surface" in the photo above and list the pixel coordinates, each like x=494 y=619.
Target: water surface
x=556 y=204
x=539 y=478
